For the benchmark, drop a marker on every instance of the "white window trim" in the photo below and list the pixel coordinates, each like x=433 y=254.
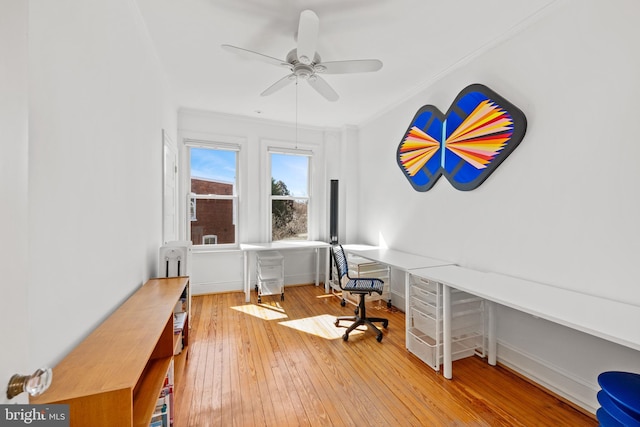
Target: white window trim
x=215 y=145
x=295 y=151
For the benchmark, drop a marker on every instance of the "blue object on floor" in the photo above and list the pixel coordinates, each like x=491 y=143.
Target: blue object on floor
x=623 y=388
x=620 y=398
x=607 y=420
x=616 y=411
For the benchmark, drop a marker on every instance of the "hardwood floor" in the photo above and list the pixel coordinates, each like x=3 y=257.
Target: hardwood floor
x=285 y=364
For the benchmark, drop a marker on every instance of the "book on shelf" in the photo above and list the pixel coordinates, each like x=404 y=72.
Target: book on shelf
x=169 y=378
x=178 y=322
x=160 y=420
x=167 y=392
x=163 y=412
x=181 y=305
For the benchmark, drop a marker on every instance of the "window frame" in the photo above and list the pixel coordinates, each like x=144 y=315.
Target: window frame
x=235 y=197
x=302 y=152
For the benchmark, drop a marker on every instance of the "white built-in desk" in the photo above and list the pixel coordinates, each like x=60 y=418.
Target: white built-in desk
x=285 y=245
x=401 y=260
x=604 y=318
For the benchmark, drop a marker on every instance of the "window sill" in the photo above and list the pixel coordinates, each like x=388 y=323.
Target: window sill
x=201 y=249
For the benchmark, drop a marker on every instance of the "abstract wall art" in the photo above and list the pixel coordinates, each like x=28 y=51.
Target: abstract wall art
x=465 y=145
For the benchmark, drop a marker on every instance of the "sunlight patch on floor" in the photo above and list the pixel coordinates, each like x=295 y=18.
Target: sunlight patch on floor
x=328 y=295
x=267 y=311
x=323 y=326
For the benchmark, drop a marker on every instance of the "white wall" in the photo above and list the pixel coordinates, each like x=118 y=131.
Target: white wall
x=14 y=328
x=220 y=271
x=563 y=208
x=97 y=107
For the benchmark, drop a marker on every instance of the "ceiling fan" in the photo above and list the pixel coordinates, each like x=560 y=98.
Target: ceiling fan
x=305 y=63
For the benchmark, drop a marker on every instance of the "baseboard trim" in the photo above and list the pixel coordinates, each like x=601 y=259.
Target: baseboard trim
x=399 y=301
x=574 y=390
x=216 y=287
x=222 y=287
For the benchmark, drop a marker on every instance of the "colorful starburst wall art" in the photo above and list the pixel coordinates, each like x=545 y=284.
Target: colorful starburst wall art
x=465 y=145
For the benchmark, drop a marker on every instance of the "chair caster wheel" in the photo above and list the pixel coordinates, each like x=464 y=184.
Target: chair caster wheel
x=389 y=304
x=378 y=338
x=345 y=337
x=343 y=303
x=385 y=324
x=259 y=300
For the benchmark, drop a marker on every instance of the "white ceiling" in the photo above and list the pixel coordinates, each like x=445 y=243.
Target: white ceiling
x=417 y=40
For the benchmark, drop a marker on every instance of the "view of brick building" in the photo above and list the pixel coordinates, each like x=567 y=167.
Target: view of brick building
x=213 y=217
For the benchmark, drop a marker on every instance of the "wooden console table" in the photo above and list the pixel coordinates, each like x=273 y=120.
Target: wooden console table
x=113 y=377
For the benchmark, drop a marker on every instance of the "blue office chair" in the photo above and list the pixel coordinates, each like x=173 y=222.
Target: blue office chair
x=360 y=286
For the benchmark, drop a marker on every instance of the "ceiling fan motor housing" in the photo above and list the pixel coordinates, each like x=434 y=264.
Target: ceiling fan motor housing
x=303 y=71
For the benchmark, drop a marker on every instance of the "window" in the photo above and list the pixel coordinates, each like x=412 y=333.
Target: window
x=213 y=205
x=289 y=195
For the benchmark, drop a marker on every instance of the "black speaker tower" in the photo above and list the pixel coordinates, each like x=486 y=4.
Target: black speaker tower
x=333 y=212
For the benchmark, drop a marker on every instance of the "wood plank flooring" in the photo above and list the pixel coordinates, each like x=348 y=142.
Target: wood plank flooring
x=284 y=363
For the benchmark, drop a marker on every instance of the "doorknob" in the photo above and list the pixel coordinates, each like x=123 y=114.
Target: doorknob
x=33 y=384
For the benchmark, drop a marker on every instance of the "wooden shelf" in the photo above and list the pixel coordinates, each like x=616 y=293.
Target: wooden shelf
x=179 y=363
x=150 y=385
x=114 y=376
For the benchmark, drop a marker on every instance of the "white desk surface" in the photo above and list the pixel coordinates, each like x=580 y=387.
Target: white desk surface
x=398 y=259
x=611 y=320
x=283 y=244
x=247 y=248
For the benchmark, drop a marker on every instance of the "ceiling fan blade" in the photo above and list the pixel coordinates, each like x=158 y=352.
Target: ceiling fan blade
x=307 y=36
x=249 y=54
x=279 y=85
x=352 y=66
x=323 y=88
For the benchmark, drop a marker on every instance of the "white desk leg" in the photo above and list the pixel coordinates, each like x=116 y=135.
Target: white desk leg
x=492 y=351
x=446 y=331
x=327 y=267
x=247 y=291
x=317 y=267
x=407 y=304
